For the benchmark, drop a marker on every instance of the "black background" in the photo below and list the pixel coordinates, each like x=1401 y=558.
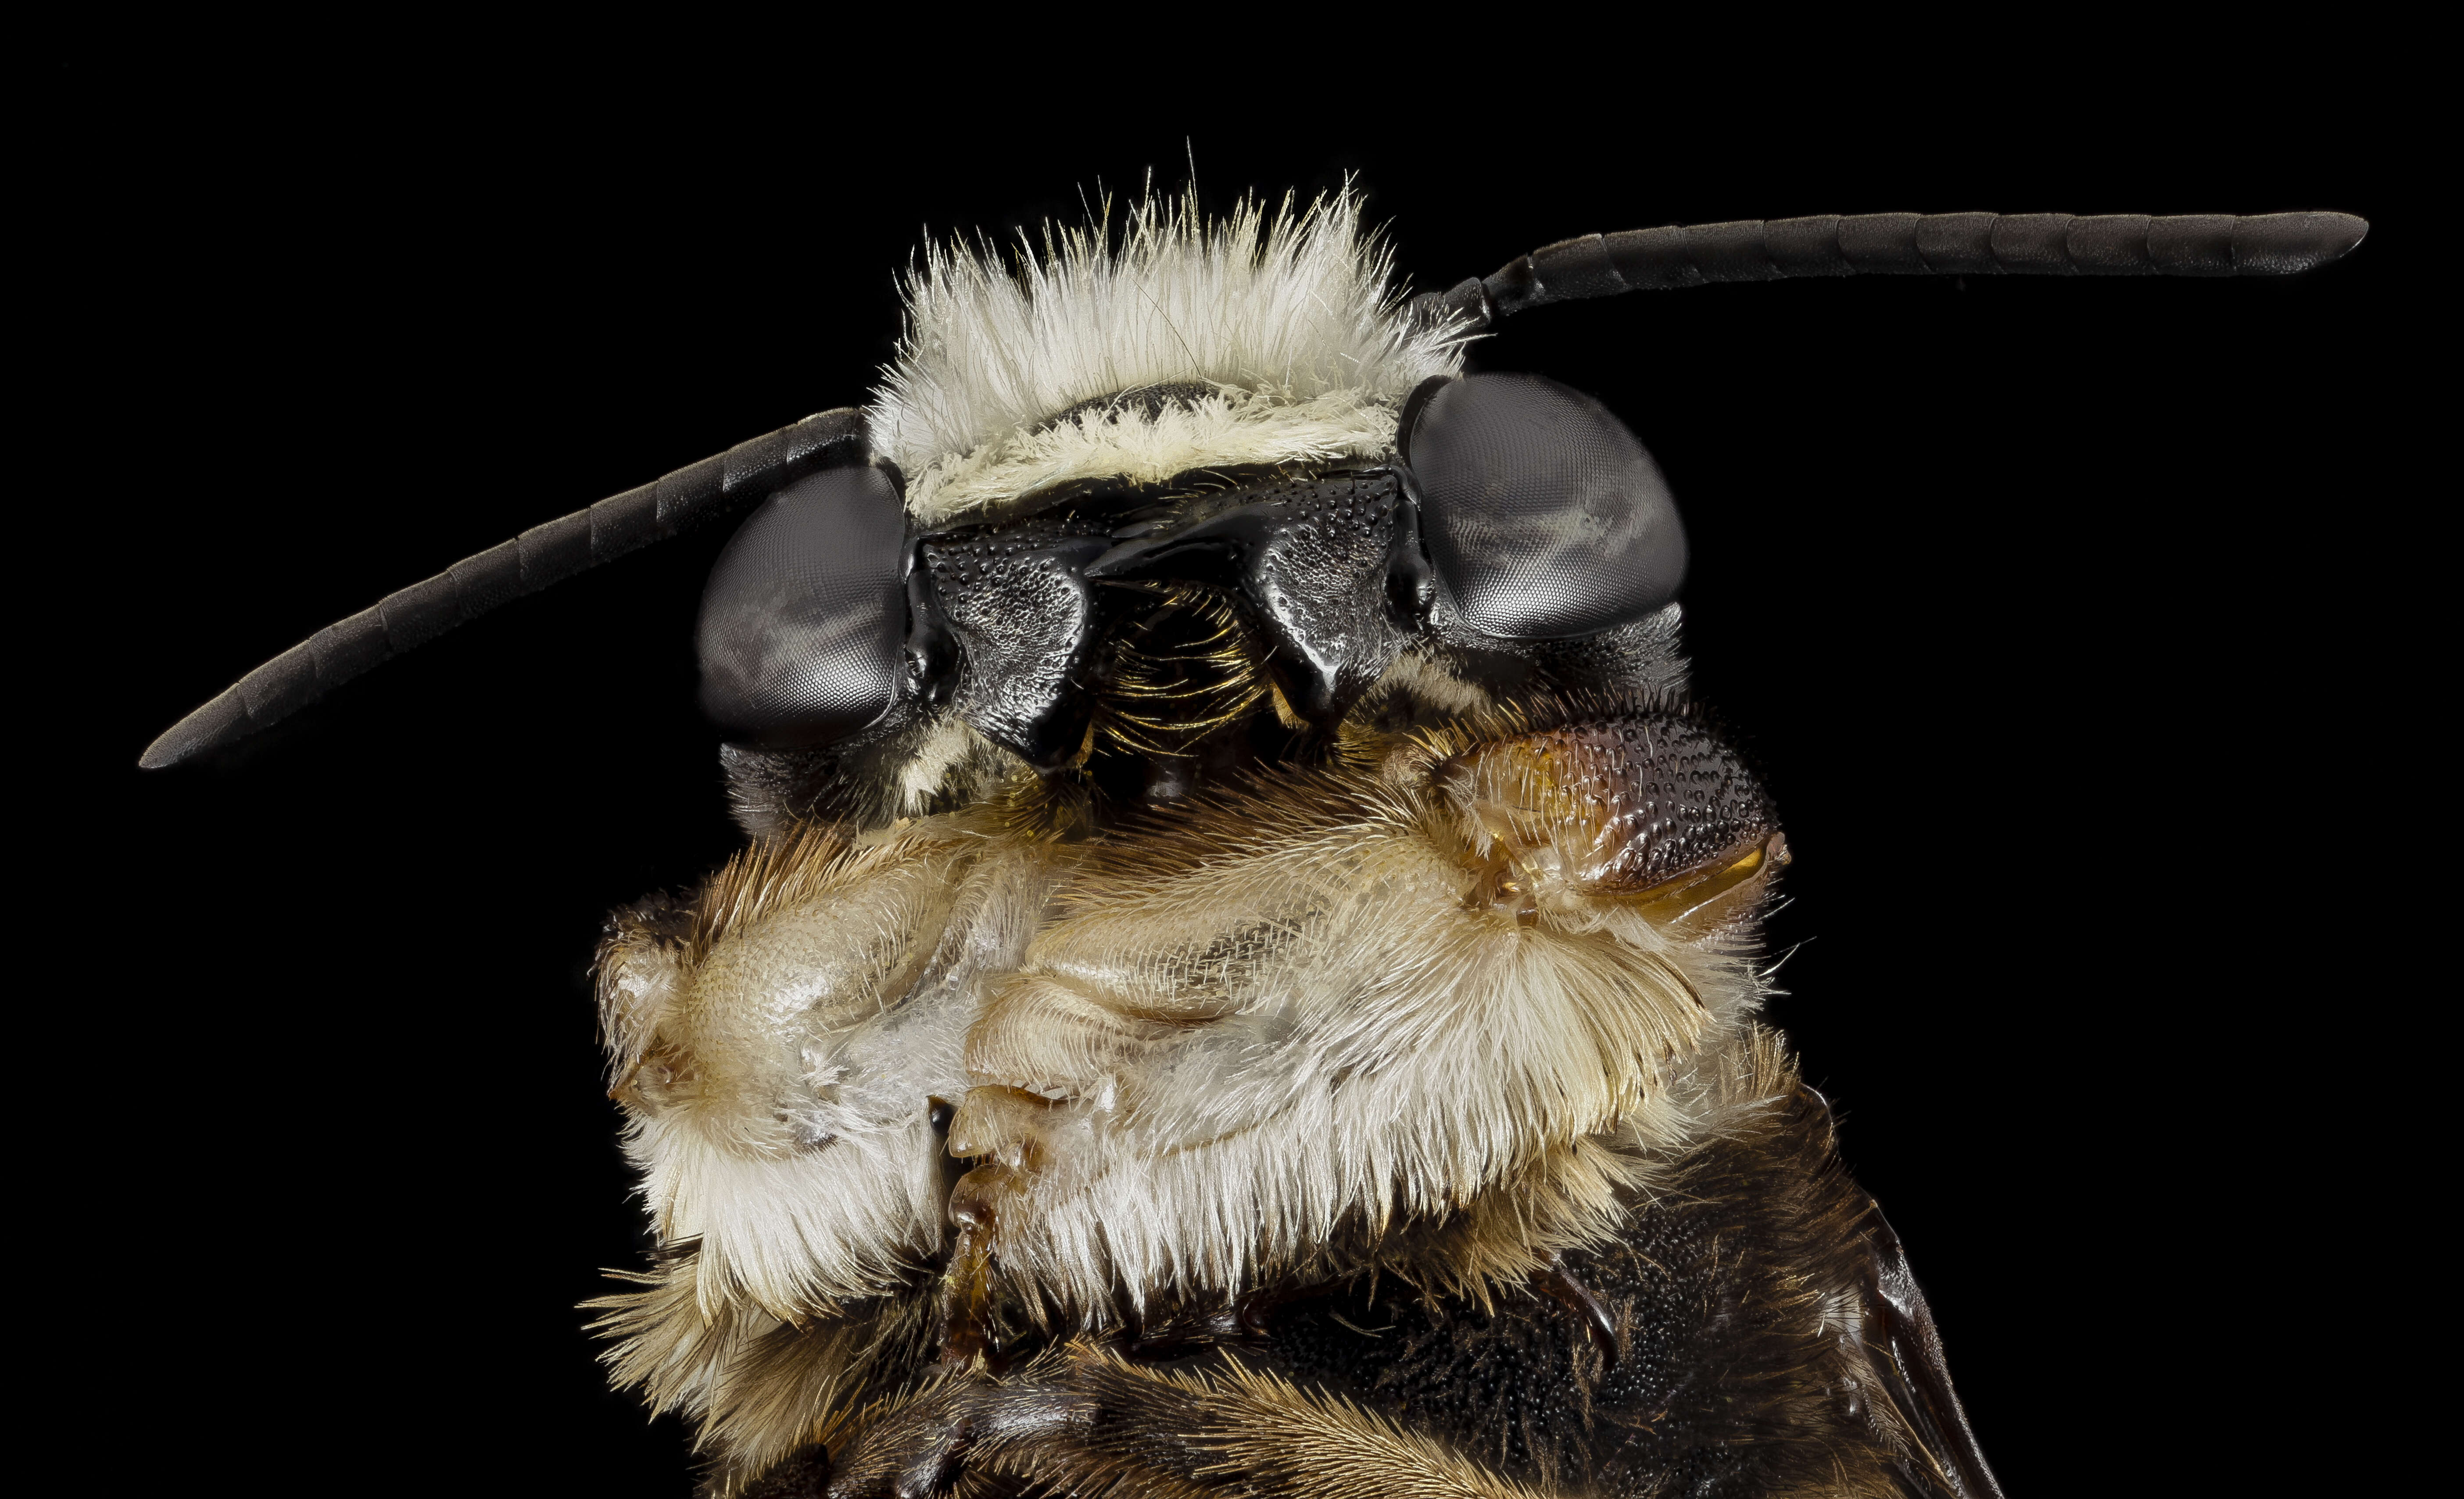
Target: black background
x=2044 y=605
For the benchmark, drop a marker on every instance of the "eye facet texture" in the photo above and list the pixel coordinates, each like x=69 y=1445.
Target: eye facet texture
x=805 y=615
x=1544 y=517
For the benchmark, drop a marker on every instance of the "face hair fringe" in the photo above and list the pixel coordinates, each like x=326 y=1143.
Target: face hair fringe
x=1287 y=323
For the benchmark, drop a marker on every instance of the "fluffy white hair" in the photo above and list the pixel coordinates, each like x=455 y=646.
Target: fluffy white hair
x=1288 y=321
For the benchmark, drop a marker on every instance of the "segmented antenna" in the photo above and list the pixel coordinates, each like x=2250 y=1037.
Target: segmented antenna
x=541 y=556
x=1897 y=244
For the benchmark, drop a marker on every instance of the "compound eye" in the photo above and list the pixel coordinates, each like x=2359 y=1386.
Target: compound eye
x=804 y=617
x=1543 y=517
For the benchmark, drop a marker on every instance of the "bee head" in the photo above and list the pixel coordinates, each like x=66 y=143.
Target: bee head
x=1140 y=510
x=1141 y=516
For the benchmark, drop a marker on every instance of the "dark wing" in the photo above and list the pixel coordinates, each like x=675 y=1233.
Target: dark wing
x=1904 y=1353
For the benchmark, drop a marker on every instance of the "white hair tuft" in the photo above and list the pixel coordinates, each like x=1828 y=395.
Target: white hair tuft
x=1287 y=320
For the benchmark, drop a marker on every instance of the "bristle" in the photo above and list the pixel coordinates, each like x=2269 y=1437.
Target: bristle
x=1191 y=664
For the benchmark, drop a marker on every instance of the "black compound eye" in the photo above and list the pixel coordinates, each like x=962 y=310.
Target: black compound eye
x=1543 y=517
x=805 y=616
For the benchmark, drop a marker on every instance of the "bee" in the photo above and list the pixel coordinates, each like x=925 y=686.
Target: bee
x=1244 y=976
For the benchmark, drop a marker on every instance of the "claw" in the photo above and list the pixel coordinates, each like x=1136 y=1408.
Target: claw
x=1559 y=1285
x=970 y=1333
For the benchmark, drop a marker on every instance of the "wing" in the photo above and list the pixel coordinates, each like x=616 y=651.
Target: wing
x=1897 y=1333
